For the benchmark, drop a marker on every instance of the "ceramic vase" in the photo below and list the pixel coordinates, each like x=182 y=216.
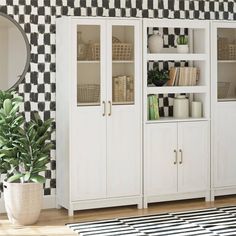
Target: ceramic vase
x=155 y=43
x=181 y=107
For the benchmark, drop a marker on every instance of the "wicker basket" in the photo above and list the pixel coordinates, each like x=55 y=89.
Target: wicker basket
x=223 y=89
x=88 y=93
x=120 y=51
x=232 y=51
x=223 y=49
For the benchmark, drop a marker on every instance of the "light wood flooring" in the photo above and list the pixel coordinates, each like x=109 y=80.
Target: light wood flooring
x=52 y=222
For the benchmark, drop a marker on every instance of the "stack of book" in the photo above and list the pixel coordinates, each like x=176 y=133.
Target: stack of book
x=183 y=76
x=123 y=89
x=153 y=107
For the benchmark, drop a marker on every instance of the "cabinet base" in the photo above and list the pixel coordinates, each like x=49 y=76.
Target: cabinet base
x=103 y=203
x=173 y=197
x=222 y=191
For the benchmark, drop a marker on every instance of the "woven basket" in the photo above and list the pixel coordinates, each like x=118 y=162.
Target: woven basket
x=232 y=52
x=223 y=48
x=88 y=93
x=223 y=89
x=121 y=51
x=23 y=202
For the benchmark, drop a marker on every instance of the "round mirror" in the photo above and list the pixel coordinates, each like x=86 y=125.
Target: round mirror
x=14 y=53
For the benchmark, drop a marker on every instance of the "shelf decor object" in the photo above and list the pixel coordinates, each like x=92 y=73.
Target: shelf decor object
x=155 y=42
x=196 y=109
x=182 y=44
x=181 y=107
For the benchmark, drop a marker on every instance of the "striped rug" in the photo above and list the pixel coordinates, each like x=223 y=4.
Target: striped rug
x=213 y=221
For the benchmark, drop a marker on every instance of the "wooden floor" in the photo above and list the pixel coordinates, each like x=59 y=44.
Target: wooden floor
x=52 y=222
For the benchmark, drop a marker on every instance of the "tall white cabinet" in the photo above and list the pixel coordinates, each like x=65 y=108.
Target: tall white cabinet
x=223 y=105
x=98 y=112
x=177 y=150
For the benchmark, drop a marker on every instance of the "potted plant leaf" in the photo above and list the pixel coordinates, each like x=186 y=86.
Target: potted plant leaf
x=24 y=154
x=158 y=77
x=182 y=44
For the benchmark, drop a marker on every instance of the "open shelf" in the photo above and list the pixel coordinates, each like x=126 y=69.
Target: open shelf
x=176 y=57
x=177 y=89
x=172 y=119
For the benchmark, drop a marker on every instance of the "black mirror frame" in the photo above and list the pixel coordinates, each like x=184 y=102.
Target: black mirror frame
x=22 y=76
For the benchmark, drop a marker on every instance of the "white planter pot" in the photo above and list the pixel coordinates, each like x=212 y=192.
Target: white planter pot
x=182 y=48
x=23 y=202
x=155 y=43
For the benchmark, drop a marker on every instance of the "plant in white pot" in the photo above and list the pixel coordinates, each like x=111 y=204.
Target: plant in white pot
x=24 y=154
x=182 y=44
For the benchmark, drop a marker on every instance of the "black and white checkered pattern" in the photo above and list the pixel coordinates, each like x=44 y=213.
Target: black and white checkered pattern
x=213 y=221
x=37 y=18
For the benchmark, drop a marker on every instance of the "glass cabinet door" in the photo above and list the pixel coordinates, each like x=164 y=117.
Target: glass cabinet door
x=226 y=55
x=88 y=65
x=123 y=77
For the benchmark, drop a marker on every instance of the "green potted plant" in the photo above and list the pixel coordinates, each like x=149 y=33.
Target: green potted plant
x=158 y=77
x=182 y=44
x=24 y=154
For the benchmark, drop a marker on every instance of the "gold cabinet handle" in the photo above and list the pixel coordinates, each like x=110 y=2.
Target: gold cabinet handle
x=175 y=161
x=104 y=108
x=181 y=156
x=109 y=102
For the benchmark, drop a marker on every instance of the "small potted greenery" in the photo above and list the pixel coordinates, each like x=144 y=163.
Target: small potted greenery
x=158 y=77
x=182 y=44
x=24 y=153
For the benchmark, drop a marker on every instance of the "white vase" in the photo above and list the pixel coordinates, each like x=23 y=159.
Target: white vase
x=196 y=109
x=182 y=48
x=181 y=107
x=155 y=43
x=23 y=202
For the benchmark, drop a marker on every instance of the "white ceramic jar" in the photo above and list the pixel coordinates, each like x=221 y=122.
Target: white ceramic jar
x=181 y=107
x=155 y=43
x=196 y=109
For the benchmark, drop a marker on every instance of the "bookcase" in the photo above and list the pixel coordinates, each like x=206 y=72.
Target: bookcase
x=177 y=150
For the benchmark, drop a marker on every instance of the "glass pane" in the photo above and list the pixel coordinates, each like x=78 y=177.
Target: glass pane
x=123 y=77
x=226 y=45
x=88 y=65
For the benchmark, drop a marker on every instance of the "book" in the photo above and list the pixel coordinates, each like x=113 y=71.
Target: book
x=129 y=89
x=172 y=76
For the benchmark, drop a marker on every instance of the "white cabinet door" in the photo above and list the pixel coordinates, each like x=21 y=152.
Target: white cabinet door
x=224 y=145
x=193 y=151
x=124 y=110
x=160 y=164
x=88 y=118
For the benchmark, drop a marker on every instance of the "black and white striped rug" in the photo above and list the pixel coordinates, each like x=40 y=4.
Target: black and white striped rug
x=207 y=222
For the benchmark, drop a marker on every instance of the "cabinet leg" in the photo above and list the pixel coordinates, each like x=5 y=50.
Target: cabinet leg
x=212 y=196
x=208 y=196
x=140 y=205
x=145 y=204
x=70 y=212
x=58 y=206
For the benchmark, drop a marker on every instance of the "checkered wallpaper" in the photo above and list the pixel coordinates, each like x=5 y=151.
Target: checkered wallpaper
x=37 y=18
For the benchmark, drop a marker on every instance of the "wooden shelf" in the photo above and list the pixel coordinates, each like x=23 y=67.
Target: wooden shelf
x=88 y=62
x=177 y=89
x=122 y=103
x=227 y=61
x=172 y=119
x=176 y=57
x=83 y=104
x=118 y=62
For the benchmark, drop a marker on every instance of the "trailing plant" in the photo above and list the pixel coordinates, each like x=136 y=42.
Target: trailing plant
x=182 y=40
x=158 y=77
x=24 y=146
